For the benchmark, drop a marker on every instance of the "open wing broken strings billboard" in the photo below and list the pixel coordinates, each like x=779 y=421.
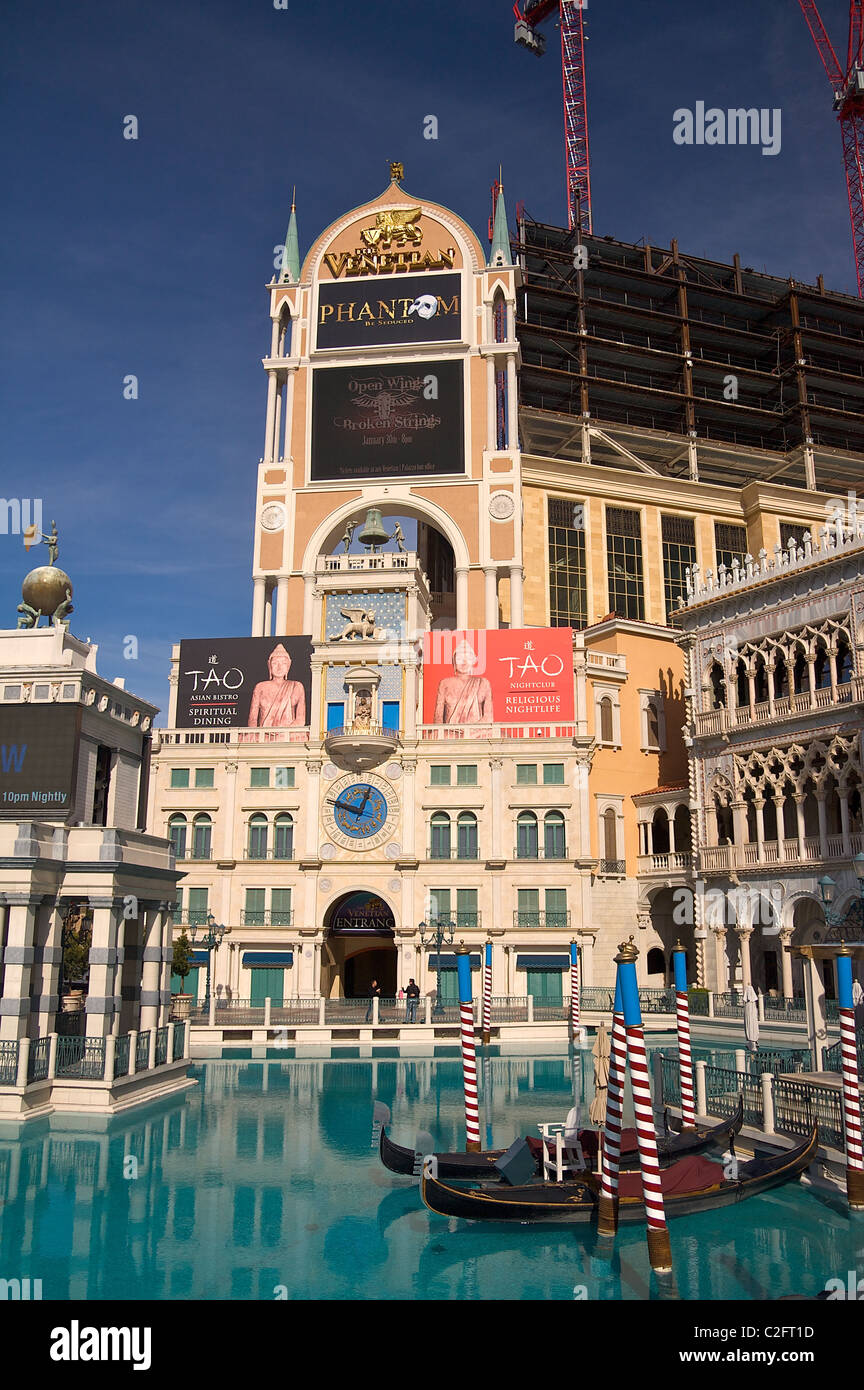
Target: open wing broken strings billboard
x=244 y=683
x=402 y=420
x=498 y=676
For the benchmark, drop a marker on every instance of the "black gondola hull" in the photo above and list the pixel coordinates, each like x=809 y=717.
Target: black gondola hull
x=473 y=1167
x=576 y=1201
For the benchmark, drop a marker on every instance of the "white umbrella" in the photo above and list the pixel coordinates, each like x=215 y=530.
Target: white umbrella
x=601 y=1052
x=751 y=1018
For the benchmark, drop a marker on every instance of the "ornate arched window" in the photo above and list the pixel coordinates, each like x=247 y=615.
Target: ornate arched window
x=660 y=831
x=283 y=836
x=257 y=836
x=177 y=835
x=202 y=833
x=554 y=846
x=466 y=836
x=439 y=845
x=526 y=835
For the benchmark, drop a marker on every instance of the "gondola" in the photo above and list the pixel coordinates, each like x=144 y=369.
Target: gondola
x=690 y=1185
x=675 y=1144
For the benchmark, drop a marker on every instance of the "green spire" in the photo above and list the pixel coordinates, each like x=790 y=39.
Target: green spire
x=499 y=253
x=291 y=255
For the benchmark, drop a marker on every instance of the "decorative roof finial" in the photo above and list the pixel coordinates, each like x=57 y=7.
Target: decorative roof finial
x=397 y=171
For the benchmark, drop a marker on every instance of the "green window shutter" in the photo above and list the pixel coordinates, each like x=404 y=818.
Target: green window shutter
x=280 y=903
x=197 y=906
x=439 y=776
x=283 y=777
x=553 y=774
x=466 y=907
x=439 y=903
x=187 y=986
x=254 y=913
x=266 y=984
x=179 y=776
x=204 y=777
x=556 y=907
x=546 y=986
x=259 y=777
x=466 y=776
x=526 y=774
x=450 y=986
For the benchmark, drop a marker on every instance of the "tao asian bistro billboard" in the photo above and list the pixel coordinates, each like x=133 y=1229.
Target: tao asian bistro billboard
x=244 y=683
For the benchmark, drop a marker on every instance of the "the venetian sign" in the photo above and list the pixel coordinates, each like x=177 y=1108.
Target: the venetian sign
x=391 y=245
x=417 y=309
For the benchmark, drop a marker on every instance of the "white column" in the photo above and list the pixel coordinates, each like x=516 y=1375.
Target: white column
x=744 y=934
x=282 y=606
x=786 y=962
x=491 y=576
x=18 y=965
x=409 y=809
x=103 y=963
x=516 y=618
x=313 y=780
x=270 y=431
x=308 y=603
x=151 y=967
x=461 y=597
x=497 y=814
x=512 y=401
x=258 y=597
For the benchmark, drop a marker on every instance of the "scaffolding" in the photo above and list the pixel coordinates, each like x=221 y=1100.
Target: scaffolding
x=685 y=367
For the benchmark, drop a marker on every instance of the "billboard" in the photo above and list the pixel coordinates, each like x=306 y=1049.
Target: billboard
x=399 y=420
x=38 y=759
x=244 y=683
x=498 y=676
x=405 y=309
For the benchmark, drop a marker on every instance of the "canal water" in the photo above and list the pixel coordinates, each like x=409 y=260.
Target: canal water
x=261 y=1183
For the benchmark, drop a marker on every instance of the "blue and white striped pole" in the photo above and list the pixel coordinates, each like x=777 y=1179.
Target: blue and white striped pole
x=574 y=990
x=685 y=1056
x=486 y=1029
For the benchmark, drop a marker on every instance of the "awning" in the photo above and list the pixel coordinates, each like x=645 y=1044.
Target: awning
x=273 y=959
x=449 y=962
x=542 y=962
x=198 y=958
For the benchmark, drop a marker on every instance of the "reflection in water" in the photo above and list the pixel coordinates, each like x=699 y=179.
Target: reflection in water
x=262 y=1176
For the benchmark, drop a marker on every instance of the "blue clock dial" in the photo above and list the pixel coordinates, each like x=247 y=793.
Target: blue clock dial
x=360 y=811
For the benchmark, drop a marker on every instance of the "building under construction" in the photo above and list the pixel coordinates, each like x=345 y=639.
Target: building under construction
x=686 y=368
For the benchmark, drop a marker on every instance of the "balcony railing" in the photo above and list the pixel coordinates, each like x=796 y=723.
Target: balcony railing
x=723 y=858
x=441 y=732
x=541 y=918
x=196 y=917
x=453 y=852
x=719 y=721
x=230 y=736
x=613 y=867
x=461 y=919
x=275 y=853
x=364 y=731
x=664 y=863
x=269 y=917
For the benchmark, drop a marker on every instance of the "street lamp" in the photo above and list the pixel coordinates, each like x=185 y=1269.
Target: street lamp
x=438 y=932
x=211 y=941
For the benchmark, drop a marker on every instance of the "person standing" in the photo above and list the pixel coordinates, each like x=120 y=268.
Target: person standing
x=412 y=994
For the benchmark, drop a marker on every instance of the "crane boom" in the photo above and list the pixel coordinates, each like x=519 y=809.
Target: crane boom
x=571 y=21
x=848 y=89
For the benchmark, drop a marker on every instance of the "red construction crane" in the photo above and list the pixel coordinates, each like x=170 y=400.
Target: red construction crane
x=848 y=88
x=570 y=18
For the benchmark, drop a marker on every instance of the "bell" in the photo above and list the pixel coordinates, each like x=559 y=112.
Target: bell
x=373 y=534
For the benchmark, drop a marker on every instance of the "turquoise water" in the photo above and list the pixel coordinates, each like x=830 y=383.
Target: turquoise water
x=261 y=1183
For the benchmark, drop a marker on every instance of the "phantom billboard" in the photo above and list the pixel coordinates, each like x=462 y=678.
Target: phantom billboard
x=401 y=420
x=405 y=309
x=244 y=683
x=498 y=676
x=38 y=760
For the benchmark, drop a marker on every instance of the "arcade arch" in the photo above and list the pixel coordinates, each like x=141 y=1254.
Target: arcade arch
x=359 y=946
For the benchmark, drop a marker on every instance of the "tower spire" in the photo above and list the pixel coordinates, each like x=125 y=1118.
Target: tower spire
x=291 y=255
x=499 y=253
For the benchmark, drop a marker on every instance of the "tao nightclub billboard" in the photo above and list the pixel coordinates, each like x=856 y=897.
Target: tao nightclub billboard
x=399 y=420
x=244 y=683
x=498 y=676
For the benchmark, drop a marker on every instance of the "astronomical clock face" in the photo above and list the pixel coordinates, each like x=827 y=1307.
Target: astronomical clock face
x=360 y=812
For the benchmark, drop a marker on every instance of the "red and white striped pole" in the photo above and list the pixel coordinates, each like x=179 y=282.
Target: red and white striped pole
x=685 y=1056
x=851 y=1094
x=486 y=1029
x=607 y=1206
x=659 y=1249
x=574 y=990
x=469 y=1055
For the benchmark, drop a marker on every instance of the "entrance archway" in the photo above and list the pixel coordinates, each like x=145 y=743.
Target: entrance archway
x=360 y=947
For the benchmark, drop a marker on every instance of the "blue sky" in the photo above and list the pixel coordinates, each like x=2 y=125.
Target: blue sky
x=150 y=257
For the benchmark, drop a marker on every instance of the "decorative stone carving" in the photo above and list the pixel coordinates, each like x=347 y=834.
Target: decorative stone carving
x=501 y=506
x=273 y=516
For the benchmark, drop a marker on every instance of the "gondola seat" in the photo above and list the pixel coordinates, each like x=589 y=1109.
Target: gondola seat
x=695 y=1173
